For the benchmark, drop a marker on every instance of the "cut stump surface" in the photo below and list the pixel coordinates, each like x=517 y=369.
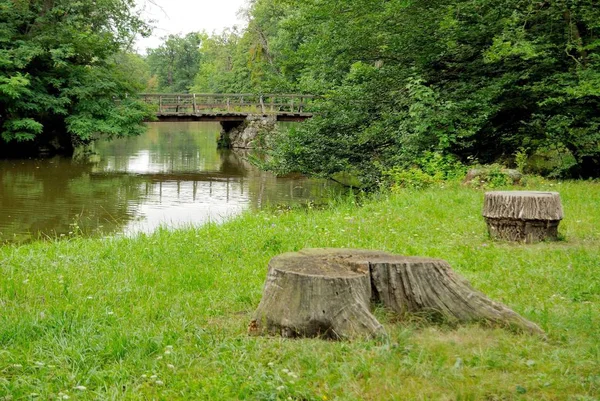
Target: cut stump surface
x=329 y=293
x=526 y=216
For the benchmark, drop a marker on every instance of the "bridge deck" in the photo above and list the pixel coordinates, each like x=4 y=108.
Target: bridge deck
x=216 y=116
x=228 y=107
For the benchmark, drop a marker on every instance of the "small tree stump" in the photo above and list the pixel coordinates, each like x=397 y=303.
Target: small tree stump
x=526 y=216
x=328 y=293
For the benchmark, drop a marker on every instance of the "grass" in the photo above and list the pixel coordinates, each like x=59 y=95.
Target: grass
x=164 y=316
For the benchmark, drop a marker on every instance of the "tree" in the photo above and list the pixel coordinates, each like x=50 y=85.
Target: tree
x=59 y=78
x=175 y=63
x=221 y=68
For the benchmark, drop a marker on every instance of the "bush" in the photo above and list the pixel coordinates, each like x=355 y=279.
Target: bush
x=414 y=178
x=492 y=176
x=432 y=168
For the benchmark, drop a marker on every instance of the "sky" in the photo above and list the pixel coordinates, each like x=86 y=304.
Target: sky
x=184 y=16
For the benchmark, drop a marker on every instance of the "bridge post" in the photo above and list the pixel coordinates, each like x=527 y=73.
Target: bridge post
x=262 y=104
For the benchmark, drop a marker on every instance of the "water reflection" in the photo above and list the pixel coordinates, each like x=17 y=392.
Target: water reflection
x=174 y=175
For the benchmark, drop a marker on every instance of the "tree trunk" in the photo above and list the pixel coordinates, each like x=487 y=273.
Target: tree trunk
x=328 y=293
x=527 y=216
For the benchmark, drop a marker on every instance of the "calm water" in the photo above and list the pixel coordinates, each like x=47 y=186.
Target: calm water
x=172 y=176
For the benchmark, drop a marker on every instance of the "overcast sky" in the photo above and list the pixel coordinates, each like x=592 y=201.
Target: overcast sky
x=183 y=16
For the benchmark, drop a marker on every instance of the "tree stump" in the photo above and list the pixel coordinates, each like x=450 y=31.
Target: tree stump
x=316 y=293
x=526 y=216
x=329 y=292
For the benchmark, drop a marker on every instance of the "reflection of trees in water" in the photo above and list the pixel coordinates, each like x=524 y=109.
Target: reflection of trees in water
x=180 y=168
x=171 y=146
x=54 y=197
x=264 y=189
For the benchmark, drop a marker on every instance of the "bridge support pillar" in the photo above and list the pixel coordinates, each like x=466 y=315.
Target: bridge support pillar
x=247 y=134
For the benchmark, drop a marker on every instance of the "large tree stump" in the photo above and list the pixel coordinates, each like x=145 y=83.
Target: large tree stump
x=526 y=216
x=328 y=292
x=316 y=293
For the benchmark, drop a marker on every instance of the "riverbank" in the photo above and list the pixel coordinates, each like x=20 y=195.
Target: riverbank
x=164 y=316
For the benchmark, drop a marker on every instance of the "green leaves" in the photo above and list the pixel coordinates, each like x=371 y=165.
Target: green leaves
x=21 y=129
x=13 y=87
x=176 y=62
x=57 y=72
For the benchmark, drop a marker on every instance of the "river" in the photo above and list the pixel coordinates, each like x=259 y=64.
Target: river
x=172 y=176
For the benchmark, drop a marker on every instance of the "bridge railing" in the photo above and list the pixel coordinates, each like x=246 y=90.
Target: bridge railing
x=167 y=103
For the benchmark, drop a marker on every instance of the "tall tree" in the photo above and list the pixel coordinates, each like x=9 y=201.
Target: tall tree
x=59 y=79
x=176 y=62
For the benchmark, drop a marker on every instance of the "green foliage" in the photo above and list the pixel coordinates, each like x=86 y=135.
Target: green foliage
x=413 y=177
x=447 y=167
x=176 y=62
x=473 y=80
x=477 y=80
x=223 y=65
x=492 y=176
x=521 y=159
x=61 y=71
x=432 y=168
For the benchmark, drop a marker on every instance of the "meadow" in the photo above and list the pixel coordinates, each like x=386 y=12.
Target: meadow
x=164 y=316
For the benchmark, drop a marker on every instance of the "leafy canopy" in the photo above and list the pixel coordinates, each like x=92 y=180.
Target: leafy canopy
x=60 y=76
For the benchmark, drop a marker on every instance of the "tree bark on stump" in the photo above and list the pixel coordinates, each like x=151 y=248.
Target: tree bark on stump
x=329 y=292
x=413 y=285
x=316 y=293
x=526 y=216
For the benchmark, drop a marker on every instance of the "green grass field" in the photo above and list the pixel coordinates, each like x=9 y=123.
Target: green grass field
x=164 y=316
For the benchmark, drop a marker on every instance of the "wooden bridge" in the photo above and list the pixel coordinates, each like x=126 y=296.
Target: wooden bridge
x=225 y=107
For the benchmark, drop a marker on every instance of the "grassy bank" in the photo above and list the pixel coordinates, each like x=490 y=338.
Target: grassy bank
x=164 y=316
